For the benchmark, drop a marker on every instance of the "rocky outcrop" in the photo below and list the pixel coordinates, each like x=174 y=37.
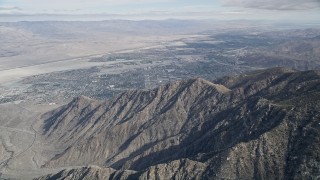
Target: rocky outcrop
x=261 y=125
x=88 y=173
x=179 y=169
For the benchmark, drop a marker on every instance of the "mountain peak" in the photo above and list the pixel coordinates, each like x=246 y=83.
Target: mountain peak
x=81 y=101
x=82 y=98
x=220 y=88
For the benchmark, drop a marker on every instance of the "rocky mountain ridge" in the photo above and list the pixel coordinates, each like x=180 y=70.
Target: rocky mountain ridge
x=260 y=125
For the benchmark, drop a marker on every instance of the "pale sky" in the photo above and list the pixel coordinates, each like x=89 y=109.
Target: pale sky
x=301 y=10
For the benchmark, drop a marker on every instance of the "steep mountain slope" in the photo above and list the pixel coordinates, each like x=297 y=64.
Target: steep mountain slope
x=179 y=169
x=259 y=125
x=89 y=173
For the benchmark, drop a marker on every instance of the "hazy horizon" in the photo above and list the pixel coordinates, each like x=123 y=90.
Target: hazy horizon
x=306 y=11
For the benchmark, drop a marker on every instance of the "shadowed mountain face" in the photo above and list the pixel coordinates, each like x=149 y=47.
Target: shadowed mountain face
x=262 y=125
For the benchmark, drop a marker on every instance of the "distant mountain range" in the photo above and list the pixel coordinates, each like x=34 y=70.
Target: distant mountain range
x=302 y=54
x=260 y=125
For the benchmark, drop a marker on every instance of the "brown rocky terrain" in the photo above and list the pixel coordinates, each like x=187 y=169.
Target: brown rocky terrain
x=260 y=125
